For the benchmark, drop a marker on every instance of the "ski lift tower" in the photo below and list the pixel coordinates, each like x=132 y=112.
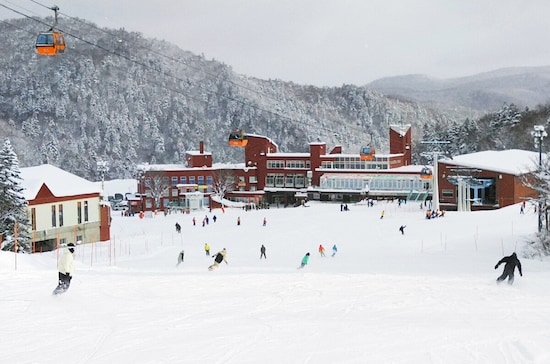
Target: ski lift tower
x=463 y=179
x=435 y=184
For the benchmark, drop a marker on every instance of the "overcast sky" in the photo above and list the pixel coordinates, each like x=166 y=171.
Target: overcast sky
x=332 y=42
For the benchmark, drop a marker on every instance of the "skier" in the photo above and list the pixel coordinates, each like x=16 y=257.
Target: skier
x=382 y=215
x=178 y=228
x=238 y=220
x=180 y=257
x=262 y=252
x=322 y=250
x=305 y=260
x=334 y=250
x=402 y=229
x=207 y=249
x=512 y=262
x=218 y=258
x=65 y=266
x=265 y=221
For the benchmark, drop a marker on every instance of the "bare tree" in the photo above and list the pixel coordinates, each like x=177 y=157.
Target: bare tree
x=223 y=181
x=157 y=183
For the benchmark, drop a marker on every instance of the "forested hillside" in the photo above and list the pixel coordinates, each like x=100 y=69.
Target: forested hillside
x=120 y=97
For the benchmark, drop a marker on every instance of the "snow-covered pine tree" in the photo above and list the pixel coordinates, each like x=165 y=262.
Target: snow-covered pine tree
x=13 y=205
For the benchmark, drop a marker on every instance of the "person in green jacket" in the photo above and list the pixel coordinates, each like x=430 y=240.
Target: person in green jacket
x=304 y=261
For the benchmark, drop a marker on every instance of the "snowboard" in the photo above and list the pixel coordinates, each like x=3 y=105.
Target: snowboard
x=59 y=290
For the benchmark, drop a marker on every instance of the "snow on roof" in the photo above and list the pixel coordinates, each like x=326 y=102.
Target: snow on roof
x=61 y=183
x=512 y=161
x=197 y=152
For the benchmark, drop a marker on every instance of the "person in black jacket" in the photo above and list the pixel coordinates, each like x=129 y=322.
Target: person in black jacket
x=512 y=262
x=218 y=258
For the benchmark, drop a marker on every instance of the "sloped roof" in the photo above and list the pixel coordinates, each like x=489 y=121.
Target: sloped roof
x=61 y=183
x=512 y=161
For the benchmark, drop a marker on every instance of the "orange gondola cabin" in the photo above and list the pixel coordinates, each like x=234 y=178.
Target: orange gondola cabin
x=237 y=138
x=367 y=153
x=50 y=43
x=426 y=173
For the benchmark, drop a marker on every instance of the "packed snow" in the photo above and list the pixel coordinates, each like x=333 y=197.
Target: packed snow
x=426 y=296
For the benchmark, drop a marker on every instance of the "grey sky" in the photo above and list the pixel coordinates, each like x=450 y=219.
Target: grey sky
x=329 y=43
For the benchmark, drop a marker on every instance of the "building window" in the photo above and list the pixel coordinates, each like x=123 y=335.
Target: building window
x=183 y=180
x=200 y=180
x=275 y=164
x=54 y=217
x=175 y=192
x=148 y=204
x=279 y=180
x=60 y=215
x=447 y=193
x=192 y=180
x=296 y=164
x=300 y=180
x=270 y=180
x=79 y=211
x=33 y=218
x=252 y=179
x=174 y=181
x=289 y=180
x=209 y=180
x=86 y=211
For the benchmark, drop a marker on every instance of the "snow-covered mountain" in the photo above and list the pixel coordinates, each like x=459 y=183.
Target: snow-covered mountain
x=481 y=93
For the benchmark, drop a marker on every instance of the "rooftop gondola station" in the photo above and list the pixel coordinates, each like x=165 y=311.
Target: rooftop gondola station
x=237 y=138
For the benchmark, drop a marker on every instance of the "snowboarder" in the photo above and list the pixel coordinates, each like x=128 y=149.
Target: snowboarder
x=305 y=259
x=214 y=218
x=402 y=229
x=265 y=221
x=334 y=250
x=382 y=215
x=194 y=221
x=262 y=252
x=218 y=258
x=178 y=228
x=322 y=250
x=180 y=257
x=512 y=262
x=207 y=249
x=238 y=220
x=65 y=266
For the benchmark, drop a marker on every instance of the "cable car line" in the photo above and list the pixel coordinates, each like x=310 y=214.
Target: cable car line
x=145 y=66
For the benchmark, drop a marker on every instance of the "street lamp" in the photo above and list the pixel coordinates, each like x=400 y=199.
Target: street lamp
x=538 y=135
x=102 y=168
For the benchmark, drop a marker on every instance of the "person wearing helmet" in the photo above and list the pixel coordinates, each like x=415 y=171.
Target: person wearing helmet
x=65 y=267
x=512 y=262
x=218 y=258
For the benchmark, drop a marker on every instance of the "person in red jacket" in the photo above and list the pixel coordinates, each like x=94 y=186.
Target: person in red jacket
x=322 y=250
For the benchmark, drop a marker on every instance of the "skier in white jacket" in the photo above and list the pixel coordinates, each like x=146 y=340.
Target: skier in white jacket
x=65 y=266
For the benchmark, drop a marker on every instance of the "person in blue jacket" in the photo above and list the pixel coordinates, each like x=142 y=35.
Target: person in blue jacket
x=334 y=250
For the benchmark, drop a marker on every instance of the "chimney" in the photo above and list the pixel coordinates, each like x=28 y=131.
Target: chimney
x=201 y=147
